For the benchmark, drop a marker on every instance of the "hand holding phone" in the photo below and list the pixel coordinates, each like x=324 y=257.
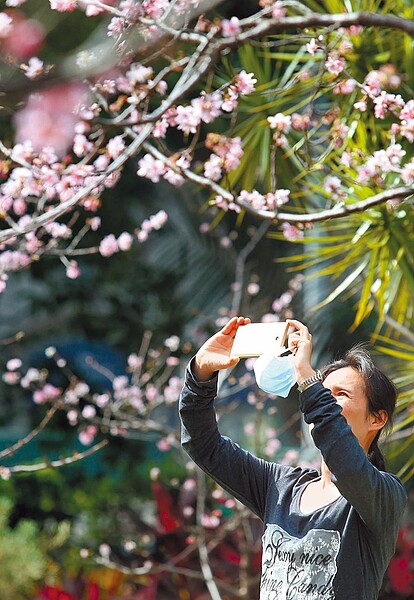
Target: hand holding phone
x=256 y=339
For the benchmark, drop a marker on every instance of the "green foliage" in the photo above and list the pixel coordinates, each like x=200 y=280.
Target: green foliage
x=23 y=562
x=402 y=355
x=369 y=257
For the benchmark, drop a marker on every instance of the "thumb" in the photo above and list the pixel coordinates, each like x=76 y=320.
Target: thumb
x=233 y=360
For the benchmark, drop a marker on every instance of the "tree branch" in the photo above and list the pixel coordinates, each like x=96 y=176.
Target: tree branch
x=338 y=211
x=24 y=441
x=60 y=462
x=268 y=26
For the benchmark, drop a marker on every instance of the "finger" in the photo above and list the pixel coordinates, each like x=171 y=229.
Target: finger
x=297 y=325
x=229 y=326
x=234 y=323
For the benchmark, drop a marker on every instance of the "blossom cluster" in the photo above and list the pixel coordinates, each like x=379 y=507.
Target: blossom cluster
x=130 y=399
x=42 y=179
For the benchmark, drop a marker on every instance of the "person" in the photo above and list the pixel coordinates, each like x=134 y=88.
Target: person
x=329 y=534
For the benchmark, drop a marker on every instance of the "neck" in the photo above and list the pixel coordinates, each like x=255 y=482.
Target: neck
x=325 y=475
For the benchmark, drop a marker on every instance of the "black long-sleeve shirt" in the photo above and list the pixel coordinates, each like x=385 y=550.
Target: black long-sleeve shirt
x=339 y=551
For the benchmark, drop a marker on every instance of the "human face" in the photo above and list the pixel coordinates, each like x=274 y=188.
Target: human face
x=348 y=388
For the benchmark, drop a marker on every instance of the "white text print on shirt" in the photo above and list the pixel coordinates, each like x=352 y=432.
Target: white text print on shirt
x=298 y=569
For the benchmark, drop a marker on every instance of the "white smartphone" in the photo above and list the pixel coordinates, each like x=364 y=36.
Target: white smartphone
x=255 y=339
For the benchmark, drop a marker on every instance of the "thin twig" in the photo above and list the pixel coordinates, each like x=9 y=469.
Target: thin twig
x=24 y=441
x=60 y=462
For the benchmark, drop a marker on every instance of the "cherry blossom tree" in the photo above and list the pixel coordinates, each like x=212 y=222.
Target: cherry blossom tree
x=177 y=98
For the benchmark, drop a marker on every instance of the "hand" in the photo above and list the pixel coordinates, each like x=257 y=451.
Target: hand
x=214 y=354
x=300 y=343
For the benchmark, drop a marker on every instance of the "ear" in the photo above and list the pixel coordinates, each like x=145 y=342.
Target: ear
x=378 y=419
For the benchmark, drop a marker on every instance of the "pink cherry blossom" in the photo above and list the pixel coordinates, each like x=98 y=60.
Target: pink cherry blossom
x=291 y=232
x=11 y=377
x=254 y=198
x=151 y=168
x=407 y=129
x=161 y=88
x=272 y=446
x=277 y=198
x=332 y=185
x=5 y=473
x=46 y=394
x=13 y=364
x=135 y=361
x=209 y=521
x=163 y=445
x=373 y=83
x=151 y=393
x=280 y=122
x=102 y=162
x=225 y=205
x=174 y=178
x=300 y=122
x=312 y=46
x=108 y=245
x=34 y=68
x=407 y=112
x=227 y=154
x=345 y=87
x=385 y=102
x=139 y=74
x=6 y=25
x=88 y=412
x=361 y=105
x=102 y=400
x=154 y=8
x=159 y=219
x=48 y=119
x=116 y=26
x=13 y=260
x=335 y=64
x=87 y=436
x=72 y=416
x=407 y=172
x=244 y=83
x=120 y=383
x=72 y=270
x=395 y=154
x=63 y=5
x=125 y=241
x=230 y=101
x=278 y=10
x=160 y=128
x=212 y=167
x=188 y=119
x=230 y=27
x=115 y=146
x=208 y=106
x=26 y=38
x=131 y=9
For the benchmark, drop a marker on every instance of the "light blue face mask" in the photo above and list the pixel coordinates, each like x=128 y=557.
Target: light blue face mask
x=275 y=374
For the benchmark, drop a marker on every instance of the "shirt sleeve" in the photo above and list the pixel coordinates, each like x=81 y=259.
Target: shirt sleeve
x=238 y=471
x=378 y=497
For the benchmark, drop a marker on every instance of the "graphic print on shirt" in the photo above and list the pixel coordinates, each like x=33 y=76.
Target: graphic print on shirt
x=299 y=568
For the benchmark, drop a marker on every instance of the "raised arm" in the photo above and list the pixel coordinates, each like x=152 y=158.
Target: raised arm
x=344 y=427
x=238 y=471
